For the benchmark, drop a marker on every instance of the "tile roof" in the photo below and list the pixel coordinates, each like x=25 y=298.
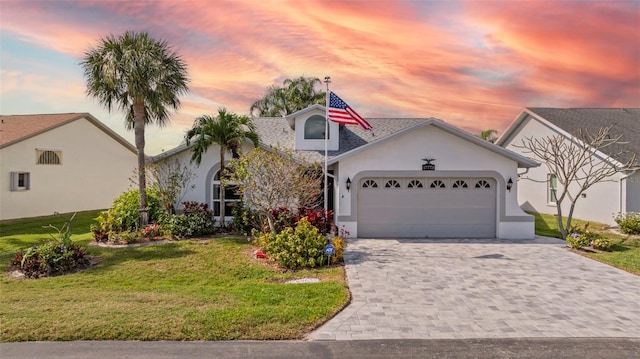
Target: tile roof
x=276 y=132
x=16 y=128
x=625 y=122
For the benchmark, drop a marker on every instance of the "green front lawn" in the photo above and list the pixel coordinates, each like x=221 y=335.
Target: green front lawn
x=188 y=290
x=626 y=250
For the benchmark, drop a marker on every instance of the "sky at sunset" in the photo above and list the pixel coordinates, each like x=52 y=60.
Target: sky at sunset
x=474 y=64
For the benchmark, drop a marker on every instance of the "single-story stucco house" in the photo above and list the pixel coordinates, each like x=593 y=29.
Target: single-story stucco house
x=60 y=163
x=618 y=194
x=415 y=178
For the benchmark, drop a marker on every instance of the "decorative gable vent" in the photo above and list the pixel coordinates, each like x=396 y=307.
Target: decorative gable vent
x=48 y=157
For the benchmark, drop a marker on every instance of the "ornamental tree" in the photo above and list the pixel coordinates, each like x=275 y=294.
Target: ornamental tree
x=578 y=163
x=271 y=179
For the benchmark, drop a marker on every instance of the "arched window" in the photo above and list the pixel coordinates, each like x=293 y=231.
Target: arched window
x=437 y=184
x=483 y=184
x=370 y=184
x=314 y=128
x=48 y=157
x=415 y=184
x=231 y=198
x=460 y=184
x=392 y=184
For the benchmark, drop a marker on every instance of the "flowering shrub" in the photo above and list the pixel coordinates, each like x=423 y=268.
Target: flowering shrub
x=577 y=241
x=124 y=216
x=628 y=223
x=285 y=218
x=151 y=230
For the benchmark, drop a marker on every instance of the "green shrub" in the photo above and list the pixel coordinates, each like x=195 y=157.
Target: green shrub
x=628 y=223
x=245 y=220
x=602 y=244
x=124 y=216
x=577 y=240
x=299 y=248
x=197 y=220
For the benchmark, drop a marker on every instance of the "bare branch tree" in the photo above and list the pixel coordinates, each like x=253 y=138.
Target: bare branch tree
x=270 y=180
x=174 y=179
x=578 y=163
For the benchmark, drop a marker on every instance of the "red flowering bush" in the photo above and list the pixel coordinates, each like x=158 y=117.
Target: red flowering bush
x=285 y=218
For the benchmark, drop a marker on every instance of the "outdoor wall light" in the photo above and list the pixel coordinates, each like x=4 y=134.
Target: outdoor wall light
x=509 y=184
x=348 y=184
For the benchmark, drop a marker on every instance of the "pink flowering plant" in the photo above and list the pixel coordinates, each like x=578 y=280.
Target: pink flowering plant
x=151 y=230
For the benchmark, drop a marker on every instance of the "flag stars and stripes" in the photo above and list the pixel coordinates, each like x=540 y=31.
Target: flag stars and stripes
x=340 y=112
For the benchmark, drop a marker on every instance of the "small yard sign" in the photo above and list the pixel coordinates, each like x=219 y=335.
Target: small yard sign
x=329 y=250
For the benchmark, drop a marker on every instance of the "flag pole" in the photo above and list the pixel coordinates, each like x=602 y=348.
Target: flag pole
x=327 y=80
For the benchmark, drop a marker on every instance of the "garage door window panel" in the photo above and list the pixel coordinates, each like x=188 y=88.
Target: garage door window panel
x=415 y=184
x=482 y=184
x=392 y=184
x=437 y=184
x=370 y=184
x=460 y=184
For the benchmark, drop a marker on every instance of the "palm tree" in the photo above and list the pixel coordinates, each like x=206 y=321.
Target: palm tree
x=294 y=95
x=228 y=131
x=489 y=135
x=140 y=76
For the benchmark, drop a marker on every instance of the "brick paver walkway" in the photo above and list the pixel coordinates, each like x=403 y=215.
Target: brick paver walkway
x=416 y=289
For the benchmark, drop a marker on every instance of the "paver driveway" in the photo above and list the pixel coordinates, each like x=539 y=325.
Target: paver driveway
x=410 y=289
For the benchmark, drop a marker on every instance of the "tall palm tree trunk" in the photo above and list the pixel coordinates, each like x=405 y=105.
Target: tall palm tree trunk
x=138 y=127
x=222 y=206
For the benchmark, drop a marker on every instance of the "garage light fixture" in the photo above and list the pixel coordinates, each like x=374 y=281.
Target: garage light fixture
x=348 y=184
x=509 y=184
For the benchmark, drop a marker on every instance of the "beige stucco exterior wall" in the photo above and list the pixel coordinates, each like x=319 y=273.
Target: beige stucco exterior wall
x=95 y=169
x=600 y=203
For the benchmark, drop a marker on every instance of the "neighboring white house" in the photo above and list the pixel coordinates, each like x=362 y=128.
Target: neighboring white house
x=60 y=163
x=383 y=187
x=619 y=193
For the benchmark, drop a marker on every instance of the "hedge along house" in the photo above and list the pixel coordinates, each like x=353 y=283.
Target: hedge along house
x=60 y=163
x=380 y=184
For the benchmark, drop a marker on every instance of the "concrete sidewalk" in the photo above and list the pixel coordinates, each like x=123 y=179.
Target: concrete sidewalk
x=453 y=289
x=425 y=349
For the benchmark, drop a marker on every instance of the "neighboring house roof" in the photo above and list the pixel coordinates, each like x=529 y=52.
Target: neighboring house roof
x=276 y=132
x=624 y=121
x=17 y=128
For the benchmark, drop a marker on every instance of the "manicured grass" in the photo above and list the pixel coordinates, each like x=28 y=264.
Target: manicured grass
x=188 y=290
x=626 y=249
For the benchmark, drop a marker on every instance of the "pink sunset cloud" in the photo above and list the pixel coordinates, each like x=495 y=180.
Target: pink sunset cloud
x=474 y=64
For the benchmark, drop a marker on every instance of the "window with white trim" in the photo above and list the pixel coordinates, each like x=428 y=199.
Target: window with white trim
x=314 y=128
x=437 y=184
x=231 y=197
x=552 y=188
x=48 y=157
x=20 y=181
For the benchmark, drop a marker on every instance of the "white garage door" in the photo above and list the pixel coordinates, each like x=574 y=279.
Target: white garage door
x=427 y=207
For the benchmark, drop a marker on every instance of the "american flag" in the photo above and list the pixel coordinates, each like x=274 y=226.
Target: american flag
x=340 y=112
